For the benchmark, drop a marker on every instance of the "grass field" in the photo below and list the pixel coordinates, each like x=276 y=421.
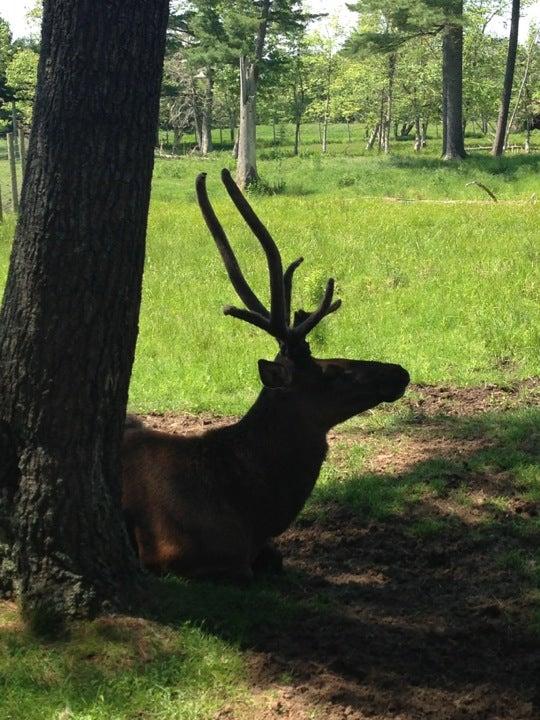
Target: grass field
x=448 y=286
x=412 y=584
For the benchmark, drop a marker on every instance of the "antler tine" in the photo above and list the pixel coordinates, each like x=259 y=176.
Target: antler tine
x=245 y=293
x=275 y=268
x=247 y=315
x=325 y=308
x=287 y=287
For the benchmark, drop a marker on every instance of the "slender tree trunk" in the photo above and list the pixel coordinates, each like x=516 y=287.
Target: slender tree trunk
x=68 y=322
x=423 y=135
x=246 y=169
x=207 y=110
x=297 y=125
x=418 y=135
x=392 y=62
x=381 y=122
x=522 y=85
x=324 y=146
x=500 y=133
x=454 y=147
x=196 y=110
x=444 y=109
x=371 y=139
x=176 y=140
x=246 y=166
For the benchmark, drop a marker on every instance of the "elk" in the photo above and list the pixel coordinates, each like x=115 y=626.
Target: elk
x=209 y=505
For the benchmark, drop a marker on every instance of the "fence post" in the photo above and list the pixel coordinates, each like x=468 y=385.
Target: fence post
x=1 y=208
x=13 y=172
x=22 y=147
x=15 y=127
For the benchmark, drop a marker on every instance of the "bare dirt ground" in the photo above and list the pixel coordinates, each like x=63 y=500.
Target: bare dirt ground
x=399 y=625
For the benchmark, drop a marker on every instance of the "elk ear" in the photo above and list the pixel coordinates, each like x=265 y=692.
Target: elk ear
x=274 y=374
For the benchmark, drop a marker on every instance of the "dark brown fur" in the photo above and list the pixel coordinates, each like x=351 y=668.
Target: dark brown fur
x=209 y=505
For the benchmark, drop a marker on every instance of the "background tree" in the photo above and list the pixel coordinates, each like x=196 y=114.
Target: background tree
x=247 y=24
x=69 y=316
x=500 y=134
x=21 y=77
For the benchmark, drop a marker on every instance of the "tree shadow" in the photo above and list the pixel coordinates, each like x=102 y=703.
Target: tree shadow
x=414 y=602
x=507 y=165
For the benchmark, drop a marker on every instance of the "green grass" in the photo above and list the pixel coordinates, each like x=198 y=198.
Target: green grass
x=448 y=290
x=116 y=668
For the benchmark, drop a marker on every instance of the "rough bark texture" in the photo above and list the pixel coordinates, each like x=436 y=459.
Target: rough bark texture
x=392 y=61
x=246 y=168
x=207 y=112
x=453 y=144
x=68 y=322
x=500 y=135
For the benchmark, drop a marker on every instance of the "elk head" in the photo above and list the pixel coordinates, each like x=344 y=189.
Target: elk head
x=325 y=391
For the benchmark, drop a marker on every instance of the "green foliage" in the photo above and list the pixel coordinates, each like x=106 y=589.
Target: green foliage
x=21 y=76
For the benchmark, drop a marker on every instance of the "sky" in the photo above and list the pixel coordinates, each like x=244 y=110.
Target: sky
x=14 y=11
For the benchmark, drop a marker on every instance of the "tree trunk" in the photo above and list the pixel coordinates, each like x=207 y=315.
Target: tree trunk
x=417 y=135
x=296 y=147
x=176 y=140
x=196 y=110
x=324 y=145
x=246 y=168
x=381 y=122
x=500 y=134
x=68 y=323
x=454 y=147
x=371 y=140
x=392 y=61
x=206 y=119
x=444 y=111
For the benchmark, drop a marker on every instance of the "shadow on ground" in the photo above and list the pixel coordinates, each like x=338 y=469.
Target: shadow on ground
x=418 y=601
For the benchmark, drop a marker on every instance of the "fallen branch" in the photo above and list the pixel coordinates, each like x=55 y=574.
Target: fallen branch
x=486 y=189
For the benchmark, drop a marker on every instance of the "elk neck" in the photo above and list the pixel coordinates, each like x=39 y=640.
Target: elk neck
x=285 y=434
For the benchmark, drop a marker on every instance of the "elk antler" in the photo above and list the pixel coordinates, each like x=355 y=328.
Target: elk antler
x=277 y=322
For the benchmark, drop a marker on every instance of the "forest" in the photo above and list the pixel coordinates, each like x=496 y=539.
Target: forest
x=371 y=183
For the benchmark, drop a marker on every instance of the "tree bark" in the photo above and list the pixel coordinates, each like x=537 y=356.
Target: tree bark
x=417 y=134
x=68 y=323
x=197 y=112
x=392 y=62
x=453 y=144
x=207 y=112
x=500 y=133
x=371 y=140
x=246 y=166
x=297 y=125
